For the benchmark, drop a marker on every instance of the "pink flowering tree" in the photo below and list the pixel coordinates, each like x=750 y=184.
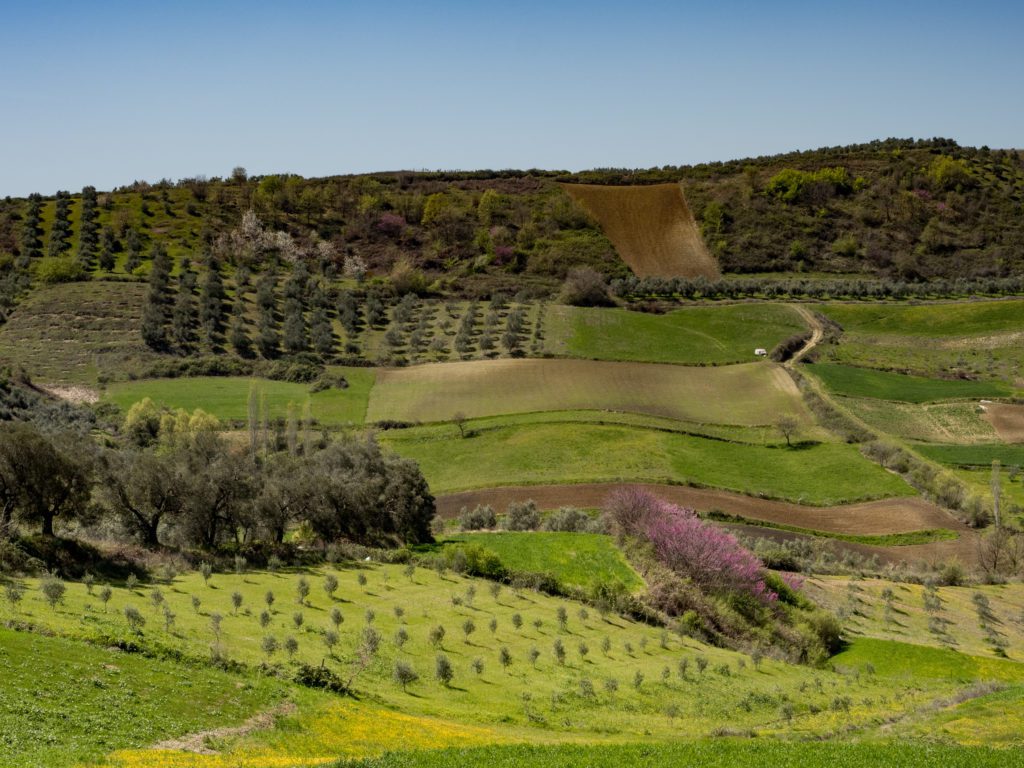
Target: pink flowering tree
x=710 y=557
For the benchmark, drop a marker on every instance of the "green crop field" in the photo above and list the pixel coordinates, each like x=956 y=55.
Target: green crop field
x=974 y=455
x=116 y=701
x=227 y=397
x=824 y=474
x=751 y=394
x=578 y=559
x=692 y=336
x=969 y=318
x=863 y=382
x=719 y=753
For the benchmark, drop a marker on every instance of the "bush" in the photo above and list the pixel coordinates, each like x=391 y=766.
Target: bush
x=320 y=677
x=481 y=517
x=585 y=287
x=59 y=270
x=522 y=516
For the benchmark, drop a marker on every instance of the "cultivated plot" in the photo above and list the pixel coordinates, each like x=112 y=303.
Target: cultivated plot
x=752 y=394
x=692 y=336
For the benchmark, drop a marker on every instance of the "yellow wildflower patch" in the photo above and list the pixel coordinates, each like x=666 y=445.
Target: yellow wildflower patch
x=327 y=733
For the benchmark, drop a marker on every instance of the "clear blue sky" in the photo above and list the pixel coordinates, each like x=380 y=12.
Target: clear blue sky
x=105 y=93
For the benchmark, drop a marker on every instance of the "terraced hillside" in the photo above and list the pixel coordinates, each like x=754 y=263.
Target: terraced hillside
x=651 y=228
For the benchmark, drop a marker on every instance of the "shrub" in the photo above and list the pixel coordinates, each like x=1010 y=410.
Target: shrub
x=481 y=517
x=320 y=676
x=522 y=516
x=585 y=287
x=59 y=270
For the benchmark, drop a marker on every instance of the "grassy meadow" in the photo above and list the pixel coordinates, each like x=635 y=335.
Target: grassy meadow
x=884 y=385
x=690 y=336
x=227 y=397
x=576 y=559
x=119 y=701
x=823 y=474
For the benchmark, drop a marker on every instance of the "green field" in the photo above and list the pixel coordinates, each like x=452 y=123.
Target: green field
x=752 y=394
x=824 y=474
x=227 y=397
x=719 y=753
x=968 y=318
x=692 y=336
x=576 y=559
x=63 y=703
x=977 y=339
x=864 y=382
x=974 y=455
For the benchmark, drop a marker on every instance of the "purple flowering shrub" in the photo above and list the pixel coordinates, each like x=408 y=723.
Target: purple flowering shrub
x=710 y=557
x=391 y=223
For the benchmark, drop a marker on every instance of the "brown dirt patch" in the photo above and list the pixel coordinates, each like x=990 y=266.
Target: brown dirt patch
x=1007 y=420
x=76 y=395
x=199 y=742
x=651 y=227
x=867 y=518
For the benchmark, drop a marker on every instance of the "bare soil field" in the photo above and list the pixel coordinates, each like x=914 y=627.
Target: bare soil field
x=1007 y=420
x=651 y=227
x=900 y=515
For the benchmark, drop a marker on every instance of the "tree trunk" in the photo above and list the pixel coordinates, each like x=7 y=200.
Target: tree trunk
x=48 y=525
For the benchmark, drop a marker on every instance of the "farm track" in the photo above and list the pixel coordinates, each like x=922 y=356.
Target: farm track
x=867 y=518
x=817 y=334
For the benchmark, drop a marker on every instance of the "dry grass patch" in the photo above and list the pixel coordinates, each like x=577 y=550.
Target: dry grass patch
x=750 y=394
x=68 y=334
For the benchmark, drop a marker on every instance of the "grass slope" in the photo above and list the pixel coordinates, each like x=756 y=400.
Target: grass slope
x=955 y=625
x=227 y=397
x=64 y=703
x=528 y=702
x=567 y=453
x=577 y=559
x=695 y=335
x=745 y=395
x=650 y=226
x=863 y=382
